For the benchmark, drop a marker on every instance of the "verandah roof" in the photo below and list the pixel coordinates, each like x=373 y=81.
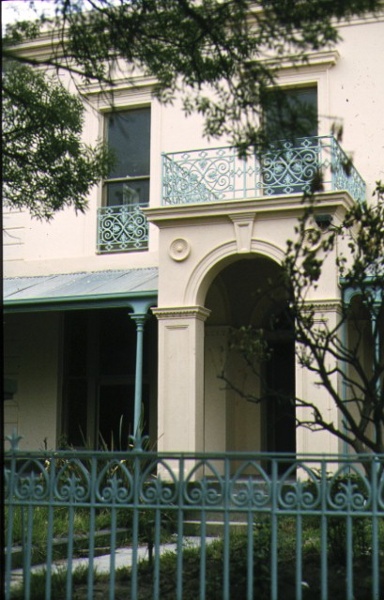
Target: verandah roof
x=79 y=290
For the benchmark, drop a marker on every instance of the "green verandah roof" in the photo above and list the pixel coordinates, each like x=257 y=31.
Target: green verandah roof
x=80 y=290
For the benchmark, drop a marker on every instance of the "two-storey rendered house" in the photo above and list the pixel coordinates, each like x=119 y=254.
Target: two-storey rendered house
x=119 y=318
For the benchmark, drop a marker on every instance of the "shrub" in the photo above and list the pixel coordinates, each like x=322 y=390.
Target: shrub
x=347 y=489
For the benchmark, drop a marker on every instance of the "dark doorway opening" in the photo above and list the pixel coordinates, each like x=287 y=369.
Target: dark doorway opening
x=280 y=386
x=280 y=405
x=248 y=295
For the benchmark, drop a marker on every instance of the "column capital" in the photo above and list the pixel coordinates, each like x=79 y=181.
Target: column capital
x=182 y=312
x=139 y=318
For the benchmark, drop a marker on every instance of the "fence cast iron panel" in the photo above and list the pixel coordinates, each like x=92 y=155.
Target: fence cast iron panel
x=269 y=494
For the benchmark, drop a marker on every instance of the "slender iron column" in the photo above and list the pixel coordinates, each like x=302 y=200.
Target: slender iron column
x=139 y=320
x=376 y=339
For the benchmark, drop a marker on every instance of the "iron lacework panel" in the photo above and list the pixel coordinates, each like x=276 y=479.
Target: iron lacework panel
x=216 y=174
x=145 y=487
x=122 y=228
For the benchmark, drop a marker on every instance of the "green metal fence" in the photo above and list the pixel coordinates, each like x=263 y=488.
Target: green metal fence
x=226 y=526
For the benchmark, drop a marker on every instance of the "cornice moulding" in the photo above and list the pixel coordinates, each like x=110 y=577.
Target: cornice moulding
x=315 y=61
x=139 y=83
x=276 y=207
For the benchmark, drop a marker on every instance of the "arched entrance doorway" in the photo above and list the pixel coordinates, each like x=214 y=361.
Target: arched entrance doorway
x=249 y=397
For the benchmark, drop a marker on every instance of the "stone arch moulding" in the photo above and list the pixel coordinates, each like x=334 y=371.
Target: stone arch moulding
x=206 y=270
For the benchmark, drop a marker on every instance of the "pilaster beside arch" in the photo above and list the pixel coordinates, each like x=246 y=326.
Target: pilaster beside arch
x=181 y=378
x=327 y=313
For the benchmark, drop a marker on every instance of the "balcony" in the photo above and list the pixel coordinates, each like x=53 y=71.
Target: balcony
x=121 y=228
x=218 y=174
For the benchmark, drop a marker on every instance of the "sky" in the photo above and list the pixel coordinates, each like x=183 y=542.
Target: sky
x=16 y=10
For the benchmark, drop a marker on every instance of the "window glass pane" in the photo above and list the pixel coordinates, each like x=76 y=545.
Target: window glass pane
x=290 y=167
x=128 y=192
x=129 y=137
x=292 y=113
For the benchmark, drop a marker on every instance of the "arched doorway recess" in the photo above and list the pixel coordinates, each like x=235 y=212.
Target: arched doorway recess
x=253 y=408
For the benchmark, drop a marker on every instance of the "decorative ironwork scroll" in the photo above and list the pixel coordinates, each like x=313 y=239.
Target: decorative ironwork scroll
x=122 y=229
x=288 y=167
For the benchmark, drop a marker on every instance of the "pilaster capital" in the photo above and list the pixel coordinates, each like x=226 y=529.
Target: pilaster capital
x=326 y=306
x=199 y=313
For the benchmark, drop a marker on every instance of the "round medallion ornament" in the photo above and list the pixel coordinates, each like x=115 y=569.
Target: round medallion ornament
x=179 y=249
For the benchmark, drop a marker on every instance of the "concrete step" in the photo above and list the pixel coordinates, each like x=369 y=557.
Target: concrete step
x=213 y=528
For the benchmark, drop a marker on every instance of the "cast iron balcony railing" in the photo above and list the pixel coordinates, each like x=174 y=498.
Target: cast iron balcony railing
x=289 y=167
x=122 y=228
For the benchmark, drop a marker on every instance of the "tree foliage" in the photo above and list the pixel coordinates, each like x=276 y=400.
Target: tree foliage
x=220 y=57
x=46 y=167
x=352 y=349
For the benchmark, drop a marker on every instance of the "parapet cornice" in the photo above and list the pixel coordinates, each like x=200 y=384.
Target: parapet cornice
x=46 y=47
x=49 y=44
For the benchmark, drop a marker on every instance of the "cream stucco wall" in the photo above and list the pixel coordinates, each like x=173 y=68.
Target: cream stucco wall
x=32 y=361
x=356 y=92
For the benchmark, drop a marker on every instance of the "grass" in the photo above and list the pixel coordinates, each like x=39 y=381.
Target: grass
x=58 y=584
x=37 y=518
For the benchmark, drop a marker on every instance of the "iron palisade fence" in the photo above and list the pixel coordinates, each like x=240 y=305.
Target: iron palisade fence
x=270 y=499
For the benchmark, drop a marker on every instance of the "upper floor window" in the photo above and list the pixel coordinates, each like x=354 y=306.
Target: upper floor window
x=292 y=113
x=121 y=225
x=128 y=134
x=294 y=157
